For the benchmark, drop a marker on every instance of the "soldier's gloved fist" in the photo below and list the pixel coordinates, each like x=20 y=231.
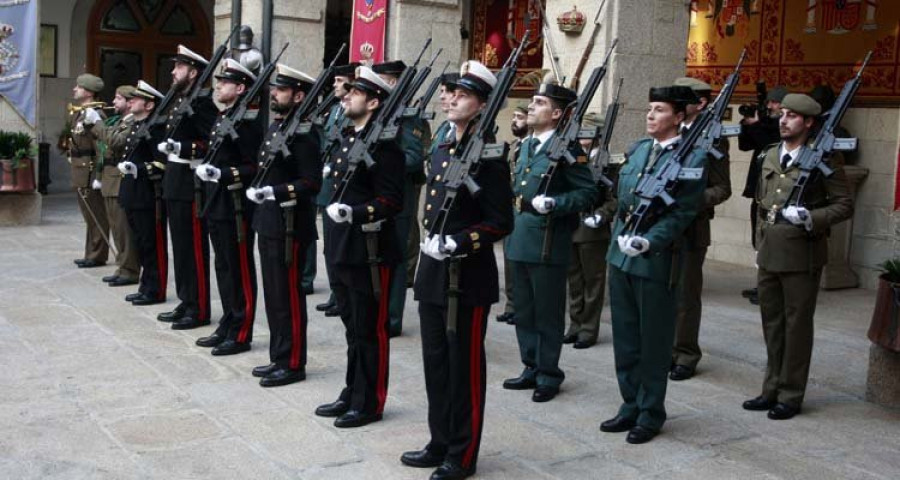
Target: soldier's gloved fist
x=594 y=221
x=251 y=195
x=798 y=216
x=91 y=116
x=340 y=213
x=173 y=147
x=633 y=245
x=326 y=170
x=543 y=204
x=128 y=168
x=208 y=173
x=163 y=147
x=96 y=185
x=432 y=247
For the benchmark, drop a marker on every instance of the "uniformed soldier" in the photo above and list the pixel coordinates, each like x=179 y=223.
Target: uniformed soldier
x=82 y=155
x=140 y=194
x=454 y=358
x=230 y=215
x=519 y=129
x=363 y=247
x=686 y=352
x=335 y=122
x=540 y=283
x=642 y=298
x=793 y=249
x=110 y=136
x=587 y=269
x=283 y=220
x=184 y=150
x=413 y=138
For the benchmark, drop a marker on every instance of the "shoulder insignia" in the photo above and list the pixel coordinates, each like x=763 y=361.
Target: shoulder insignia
x=581 y=159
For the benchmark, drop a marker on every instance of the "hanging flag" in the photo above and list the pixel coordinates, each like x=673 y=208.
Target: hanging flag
x=368 y=30
x=18 y=49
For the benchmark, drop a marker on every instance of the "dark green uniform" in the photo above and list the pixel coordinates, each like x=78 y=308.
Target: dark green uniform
x=540 y=293
x=82 y=158
x=642 y=301
x=790 y=263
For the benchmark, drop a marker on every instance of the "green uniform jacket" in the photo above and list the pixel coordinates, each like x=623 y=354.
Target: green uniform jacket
x=111 y=136
x=655 y=264
x=414 y=135
x=718 y=189
x=605 y=206
x=573 y=189
x=783 y=246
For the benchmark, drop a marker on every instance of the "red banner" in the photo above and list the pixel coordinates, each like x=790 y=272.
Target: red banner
x=498 y=27
x=368 y=30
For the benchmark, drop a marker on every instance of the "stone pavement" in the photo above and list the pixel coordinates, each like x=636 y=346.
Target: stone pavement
x=92 y=387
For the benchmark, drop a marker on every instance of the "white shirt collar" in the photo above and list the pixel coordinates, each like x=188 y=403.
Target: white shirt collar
x=665 y=143
x=543 y=138
x=793 y=154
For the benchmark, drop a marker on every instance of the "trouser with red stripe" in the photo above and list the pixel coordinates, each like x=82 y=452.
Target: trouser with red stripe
x=236 y=278
x=366 y=320
x=190 y=252
x=285 y=302
x=150 y=239
x=455 y=372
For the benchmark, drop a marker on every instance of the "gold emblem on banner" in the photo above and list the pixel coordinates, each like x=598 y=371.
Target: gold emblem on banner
x=370 y=17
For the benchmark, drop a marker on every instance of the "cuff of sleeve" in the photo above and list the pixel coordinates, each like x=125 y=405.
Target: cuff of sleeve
x=284 y=192
x=819 y=222
x=363 y=214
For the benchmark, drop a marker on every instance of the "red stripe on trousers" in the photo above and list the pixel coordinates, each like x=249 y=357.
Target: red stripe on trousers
x=248 y=289
x=381 y=332
x=474 y=383
x=198 y=263
x=296 y=315
x=162 y=262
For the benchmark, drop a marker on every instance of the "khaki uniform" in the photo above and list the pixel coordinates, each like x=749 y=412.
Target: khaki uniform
x=694 y=245
x=790 y=263
x=82 y=158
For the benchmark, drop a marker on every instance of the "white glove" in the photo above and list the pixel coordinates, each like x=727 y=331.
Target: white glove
x=594 y=221
x=326 y=170
x=251 y=195
x=543 y=204
x=91 y=116
x=128 y=168
x=633 y=245
x=208 y=173
x=169 y=147
x=798 y=216
x=96 y=185
x=433 y=248
x=340 y=213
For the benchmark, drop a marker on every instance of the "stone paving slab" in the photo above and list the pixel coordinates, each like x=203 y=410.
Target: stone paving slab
x=92 y=387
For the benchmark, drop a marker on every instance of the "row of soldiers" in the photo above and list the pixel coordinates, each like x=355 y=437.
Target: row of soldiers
x=193 y=180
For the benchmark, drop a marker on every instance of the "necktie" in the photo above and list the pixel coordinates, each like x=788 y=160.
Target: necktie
x=682 y=130
x=654 y=154
x=785 y=160
x=533 y=148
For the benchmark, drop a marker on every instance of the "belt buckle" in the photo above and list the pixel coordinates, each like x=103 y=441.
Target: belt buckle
x=518 y=204
x=371 y=227
x=771 y=216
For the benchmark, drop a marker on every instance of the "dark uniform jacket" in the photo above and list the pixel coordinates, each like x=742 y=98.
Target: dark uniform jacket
x=756 y=137
x=297 y=177
x=475 y=224
x=138 y=193
x=783 y=246
x=604 y=205
x=193 y=136
x=334 y=119
x=237 y=160
x=375 y=194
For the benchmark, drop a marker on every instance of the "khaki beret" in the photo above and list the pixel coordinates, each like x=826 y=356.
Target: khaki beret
x=89 y=82
x=802 y=104
x=126 y=91
x=593 y=119
x=522 y=107
x=694 y=84
x=776 y=94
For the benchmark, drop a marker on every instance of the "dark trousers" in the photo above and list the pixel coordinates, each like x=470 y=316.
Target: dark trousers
x=310 y=267
x=150 y=240
x=365 y=318
x=455 y=373
x=236 y=278
x=643 y=324
x=540 y=304
x=686 y=350
x=285 y=302
x=190 y=252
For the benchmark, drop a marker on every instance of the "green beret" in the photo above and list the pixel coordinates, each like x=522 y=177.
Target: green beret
x=126 y=91
x=802 y=104
x=522 y=107
x=776 y=94
x=593 y=119
x=89 y=82
x=694 y=84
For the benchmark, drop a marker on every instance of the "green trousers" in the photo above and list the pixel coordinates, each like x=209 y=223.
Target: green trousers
x=587 y=282
x=540 y=304
x=686 y=350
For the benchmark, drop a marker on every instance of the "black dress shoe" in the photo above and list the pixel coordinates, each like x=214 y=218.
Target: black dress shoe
x=172 y=316
x=109 y=278
x=79 y=261
x=263 y=370
x=210 y=341
x=639 y=435
x=423 y=458
x=582 y=344
x=333 y=409
x=519 y=383
x=617 y=424
x=283 y=376
x=754 y=299
x=504 y=317
x=681 y=372
x=451 y=471
x=230 y=347
x=355 y=418
x=325 y=306
x=783 y=411
x=749 y=292
x=146 y=300
x=333 y=312
x=308 y=290
x=132 y=296
x=121 y=282
x=188 y=323
x=759 y=404
x=571 y=338
x=91 y=264
x=544 y=393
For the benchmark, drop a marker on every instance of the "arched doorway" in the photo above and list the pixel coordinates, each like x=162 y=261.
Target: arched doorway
x=135 y=39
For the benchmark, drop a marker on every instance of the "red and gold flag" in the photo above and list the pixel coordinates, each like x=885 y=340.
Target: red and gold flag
x=368 y=30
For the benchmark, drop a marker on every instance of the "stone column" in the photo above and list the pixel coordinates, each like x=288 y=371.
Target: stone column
x=837 y=273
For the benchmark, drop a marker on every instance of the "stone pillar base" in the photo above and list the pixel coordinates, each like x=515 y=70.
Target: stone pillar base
x=883 y=381
x=20 y=209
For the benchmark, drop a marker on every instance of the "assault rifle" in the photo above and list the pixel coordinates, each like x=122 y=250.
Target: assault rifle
x=405 y=111
x=601 y=161
x=655 y=190
x=418 y=109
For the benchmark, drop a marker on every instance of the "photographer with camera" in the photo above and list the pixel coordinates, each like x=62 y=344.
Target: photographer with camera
x=759 y=129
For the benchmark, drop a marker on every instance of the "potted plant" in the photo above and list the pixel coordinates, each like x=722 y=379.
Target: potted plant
x=17 y=158
x=885 y=327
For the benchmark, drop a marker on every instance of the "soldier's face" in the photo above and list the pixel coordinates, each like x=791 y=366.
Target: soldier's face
x=445 y=96
x=693 y=109
x=662 y=121
x=283 y=98
x=227 y=91
x=793 y=126
x=79 y=93
x=120 y=104
x=542 y=113
x=463 y=106
x=339 y=85
x=519 y=125
x=138 y=107
x=182 y=74
x=774 y=108
x=356 y=105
